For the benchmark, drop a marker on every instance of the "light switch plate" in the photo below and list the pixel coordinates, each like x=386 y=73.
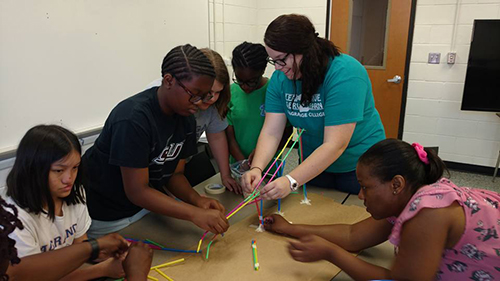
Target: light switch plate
x=434 y=58
x=451 y=57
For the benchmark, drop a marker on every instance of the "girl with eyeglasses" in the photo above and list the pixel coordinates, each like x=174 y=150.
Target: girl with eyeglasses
x=248 y=94
x=328 y=94
x=211 y=117
x=141 y=151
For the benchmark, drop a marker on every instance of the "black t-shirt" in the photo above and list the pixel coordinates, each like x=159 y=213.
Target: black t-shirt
x=137 y=134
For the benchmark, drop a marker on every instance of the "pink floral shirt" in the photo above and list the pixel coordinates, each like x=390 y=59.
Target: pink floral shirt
x=476 y=256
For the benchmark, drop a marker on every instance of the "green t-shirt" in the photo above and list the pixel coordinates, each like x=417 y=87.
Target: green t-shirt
x=344 y=97
x=246 y=115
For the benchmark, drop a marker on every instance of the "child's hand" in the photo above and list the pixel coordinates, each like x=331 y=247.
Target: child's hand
x=276 y=223
x=113 y=268
x=138 y=262
x=209 y=203
x=111 y=245
x=310 y=248
x=211 y=220
x=231 y=184
x=250 y=157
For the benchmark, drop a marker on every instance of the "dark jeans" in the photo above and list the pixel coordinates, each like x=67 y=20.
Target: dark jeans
x=345 y=182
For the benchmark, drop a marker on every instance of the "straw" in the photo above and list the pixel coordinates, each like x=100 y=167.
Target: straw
x=199 y=243
x=208 y=248
x=156 y=247
x=154 y=243
x=163 y=274
x=167 y=264
x=302 y=160
x=152 y=278
x=252 y=196
x=256 y=265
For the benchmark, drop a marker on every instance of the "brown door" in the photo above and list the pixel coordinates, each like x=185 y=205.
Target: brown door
x=376 y=33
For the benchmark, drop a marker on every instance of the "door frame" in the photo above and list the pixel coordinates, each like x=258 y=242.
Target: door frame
x=409 y=45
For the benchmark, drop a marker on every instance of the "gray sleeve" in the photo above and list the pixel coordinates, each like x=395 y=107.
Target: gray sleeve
x=215 y=123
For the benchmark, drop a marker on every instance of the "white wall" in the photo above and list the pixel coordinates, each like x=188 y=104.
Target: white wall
x=71 y=62
x=235 y=21
x=231 y=22
x=433 y=116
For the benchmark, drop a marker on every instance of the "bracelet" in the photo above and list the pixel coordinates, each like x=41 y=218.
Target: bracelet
x=255 y=167
x=95 y=248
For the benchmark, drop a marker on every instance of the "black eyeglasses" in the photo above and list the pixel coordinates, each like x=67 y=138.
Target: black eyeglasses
x=252 y=83
x=194 y=98
x=280 y=62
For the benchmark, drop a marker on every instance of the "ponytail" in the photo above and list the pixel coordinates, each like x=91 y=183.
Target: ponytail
x=391 y=157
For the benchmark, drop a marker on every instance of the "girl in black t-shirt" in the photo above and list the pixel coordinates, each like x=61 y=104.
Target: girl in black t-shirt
x=142 y=147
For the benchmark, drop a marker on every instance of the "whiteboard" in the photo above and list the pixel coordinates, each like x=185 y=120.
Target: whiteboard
x=69 y=62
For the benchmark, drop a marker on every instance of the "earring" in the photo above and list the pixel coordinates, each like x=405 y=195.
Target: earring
x=394 y=192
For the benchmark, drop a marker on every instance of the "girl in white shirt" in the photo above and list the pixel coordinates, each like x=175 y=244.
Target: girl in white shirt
x=45 y=185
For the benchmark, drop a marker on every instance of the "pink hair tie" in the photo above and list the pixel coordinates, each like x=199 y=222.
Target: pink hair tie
x=421 y=152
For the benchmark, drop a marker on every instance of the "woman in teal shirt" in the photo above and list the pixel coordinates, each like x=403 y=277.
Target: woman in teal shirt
x=328 y=94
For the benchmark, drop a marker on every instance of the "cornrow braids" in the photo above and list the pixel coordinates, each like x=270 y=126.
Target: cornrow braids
x=250 y=55
x=185 y=61
x=8 y=223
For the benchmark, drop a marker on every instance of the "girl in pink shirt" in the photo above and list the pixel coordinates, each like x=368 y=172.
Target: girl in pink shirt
x=440 y=231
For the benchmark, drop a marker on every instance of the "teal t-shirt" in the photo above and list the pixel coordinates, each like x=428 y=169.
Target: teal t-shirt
x=344 y=97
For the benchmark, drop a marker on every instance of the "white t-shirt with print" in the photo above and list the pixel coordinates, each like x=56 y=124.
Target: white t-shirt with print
x=41 y=234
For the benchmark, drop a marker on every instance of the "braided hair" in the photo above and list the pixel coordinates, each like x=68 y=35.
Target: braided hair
x=185 y=61
x=250 y=55
x=222 y=75
x=391 y=157
x=8 y=223
x=295 y=34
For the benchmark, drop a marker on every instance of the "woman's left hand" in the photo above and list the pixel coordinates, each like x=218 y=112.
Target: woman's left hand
x=278 y=188
x=311 y=248
x=209 y=203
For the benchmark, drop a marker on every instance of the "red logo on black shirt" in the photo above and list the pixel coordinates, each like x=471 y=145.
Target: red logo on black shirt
x=171 y=152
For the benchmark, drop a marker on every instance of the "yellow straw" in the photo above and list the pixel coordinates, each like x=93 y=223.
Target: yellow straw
x=167 y=264
x=285 y=146
x=246 y=203
x=199 y=246
x=163 y=274
x=152 y=278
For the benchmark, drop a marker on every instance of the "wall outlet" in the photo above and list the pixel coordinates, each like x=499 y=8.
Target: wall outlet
x=434 y=58
x=451 y=58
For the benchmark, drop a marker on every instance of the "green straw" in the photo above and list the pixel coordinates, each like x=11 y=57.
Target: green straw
x=154 y=243
x=208 y=249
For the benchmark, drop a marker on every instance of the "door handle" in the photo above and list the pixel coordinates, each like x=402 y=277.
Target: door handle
x=396 y=79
